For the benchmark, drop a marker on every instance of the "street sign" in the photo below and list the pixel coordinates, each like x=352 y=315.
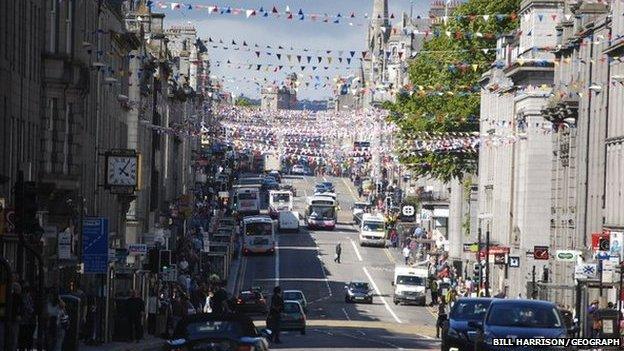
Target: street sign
x=500 y=259
x=95 y=245
x=408 y=210
x=586 y=271
x=566 y=255
x=615 y=244
x=600 y=241
x=470 y=247
x=540 y=252
x=64 y=242
x=602 y=255
x=137 y=249
x=170 y=273
x=514 y=261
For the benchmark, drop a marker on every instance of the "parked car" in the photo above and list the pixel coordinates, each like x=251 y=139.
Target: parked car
x=455 y=330
x=224 y=332
x=298 y=170
x=251 y=302
x=520 y=319
x=293 y=317
x=358 y=292
x=297 y=295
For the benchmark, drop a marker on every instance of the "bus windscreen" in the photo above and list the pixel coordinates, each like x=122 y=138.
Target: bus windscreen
x=253 y=229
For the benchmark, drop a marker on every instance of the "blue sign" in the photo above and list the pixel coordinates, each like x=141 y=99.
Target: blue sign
x=95 y=245
x=602 y=255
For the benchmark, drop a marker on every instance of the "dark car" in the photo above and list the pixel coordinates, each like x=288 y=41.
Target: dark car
x=223 y=332
x=526 y=319
x=250 y=302
x=320 y=188
x=276 y=175
x=455 y=331
x=358 y=292
x=289 y=187
x=330 y=186
x=269 y=183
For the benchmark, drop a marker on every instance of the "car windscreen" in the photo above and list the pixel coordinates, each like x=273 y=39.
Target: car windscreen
x=259 y=229
x=464 y=310
x=292 y=295
x=281 y=197
x=359 y=286
x=321 y=212
x=410 y=280
x=291 y=308
x=247 y=196
x=373 y=227
x=528 y=316
x=360 y=206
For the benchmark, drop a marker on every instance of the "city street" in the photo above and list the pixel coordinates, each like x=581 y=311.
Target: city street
x=305 y=261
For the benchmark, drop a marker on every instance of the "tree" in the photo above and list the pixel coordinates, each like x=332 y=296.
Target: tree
x=445 y=84
x=243 y=102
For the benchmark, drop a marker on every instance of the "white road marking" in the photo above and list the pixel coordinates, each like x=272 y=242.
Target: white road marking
x=292 y=279
x=357 y=252
x=348 y=187
x=396 y=318
x=277 y=265
x=346 y=314
x=312 y=248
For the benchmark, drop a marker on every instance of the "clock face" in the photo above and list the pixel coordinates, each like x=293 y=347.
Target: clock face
x=122 y=170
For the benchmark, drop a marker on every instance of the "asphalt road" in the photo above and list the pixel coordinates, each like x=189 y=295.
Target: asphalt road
x=305 y=261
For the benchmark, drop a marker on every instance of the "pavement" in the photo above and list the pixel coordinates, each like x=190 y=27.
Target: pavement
x=305 y=261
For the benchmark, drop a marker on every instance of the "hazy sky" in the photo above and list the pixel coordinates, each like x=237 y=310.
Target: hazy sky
x=287 y=33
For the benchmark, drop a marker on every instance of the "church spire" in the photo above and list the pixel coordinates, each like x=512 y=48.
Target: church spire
x=380 y=14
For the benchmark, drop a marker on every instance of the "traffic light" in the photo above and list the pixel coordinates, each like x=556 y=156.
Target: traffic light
x=153 y=260
x=476 y=271
x=26 y=208
x=164 y=260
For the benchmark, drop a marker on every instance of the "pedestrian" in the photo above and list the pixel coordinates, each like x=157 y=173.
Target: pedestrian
x=442 y=316
x=152 y=312
x=406 y=254
x=338 y=253
x=136 y=307
x=28 y=320
x=219 y=300
x=394 y=237
x=58 y=321
x=275 y=314
x=15 y=315
x=433 y=287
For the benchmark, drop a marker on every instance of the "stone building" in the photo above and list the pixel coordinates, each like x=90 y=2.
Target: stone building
x=275 y=97
x=515 y=164
x=580 y=112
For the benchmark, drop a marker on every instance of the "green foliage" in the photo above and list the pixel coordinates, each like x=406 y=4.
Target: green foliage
x=453 y=66
x=243 y=102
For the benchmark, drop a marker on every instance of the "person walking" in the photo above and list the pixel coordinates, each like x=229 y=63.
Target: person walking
x=28 y=320
x=433 y=287
x=442 y=316
x=219 y=300
x=275 y=314
x=15 y=315
x=338 y=253
x=406 y=254
x=58 y=321
x=136 y=307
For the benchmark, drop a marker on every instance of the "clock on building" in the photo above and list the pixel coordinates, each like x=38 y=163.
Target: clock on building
x=122 y=171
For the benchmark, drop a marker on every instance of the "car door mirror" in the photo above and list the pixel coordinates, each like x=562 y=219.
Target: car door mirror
x=475 y=325
x=266 y=333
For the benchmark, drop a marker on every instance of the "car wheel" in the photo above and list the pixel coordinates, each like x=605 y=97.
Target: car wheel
x=370 y=301
x=396 y=302
x=303 y=331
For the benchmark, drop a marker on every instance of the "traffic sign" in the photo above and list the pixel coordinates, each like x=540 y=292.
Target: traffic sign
x=586 y=271
x=540 y=252
x=95 y=245
x=514 y=261
x=566 y=255
x=137 y=249
x=64 y=242
x=499 y=258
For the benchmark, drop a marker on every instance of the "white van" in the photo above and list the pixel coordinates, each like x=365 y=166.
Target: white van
x=288 y=221
x=410 y=285
x=373 y=230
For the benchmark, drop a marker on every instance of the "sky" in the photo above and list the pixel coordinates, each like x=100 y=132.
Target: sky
x=287 y=33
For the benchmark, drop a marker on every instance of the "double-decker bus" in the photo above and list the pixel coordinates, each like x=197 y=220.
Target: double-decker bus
x=258 y=235
x=321 y=212
x=248 y=200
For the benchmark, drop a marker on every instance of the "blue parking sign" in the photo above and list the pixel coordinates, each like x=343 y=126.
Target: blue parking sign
x=95 y=245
